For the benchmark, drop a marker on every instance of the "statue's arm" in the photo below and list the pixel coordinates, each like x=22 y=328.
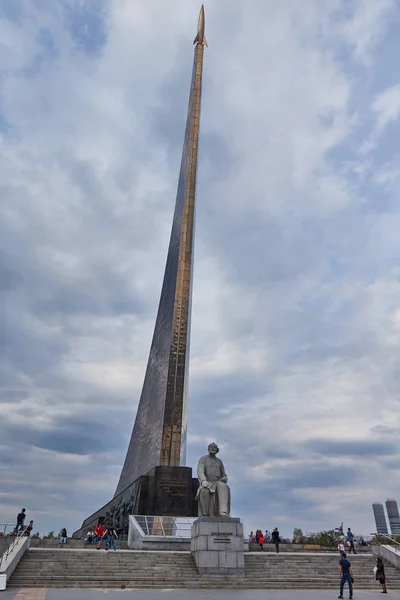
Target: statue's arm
x=224 y=476
x=201 y=474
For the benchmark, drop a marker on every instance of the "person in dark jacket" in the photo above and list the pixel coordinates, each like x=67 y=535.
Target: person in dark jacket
x=276 y=538
x=346 y=576
x=20 y=521
x=63 y=536
x=111 y=536
x=380 y=574
x=350 y=539
x=28 y=529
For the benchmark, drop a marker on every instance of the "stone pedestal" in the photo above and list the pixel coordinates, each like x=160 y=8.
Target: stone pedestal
x=162 y=491
x=217 y=546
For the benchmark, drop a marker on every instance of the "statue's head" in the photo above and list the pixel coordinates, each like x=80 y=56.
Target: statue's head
x=213 y=448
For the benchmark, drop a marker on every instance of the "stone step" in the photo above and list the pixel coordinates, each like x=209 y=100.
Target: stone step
x=185 y=576
x=177 y=570
x=119 y=577
x=181 y=585
x=32 y=566
x=190 y=569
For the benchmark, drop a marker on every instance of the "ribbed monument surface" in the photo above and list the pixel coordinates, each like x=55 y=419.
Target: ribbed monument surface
x=154 y=480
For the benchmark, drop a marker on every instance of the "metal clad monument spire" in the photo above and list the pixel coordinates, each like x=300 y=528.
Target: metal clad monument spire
x=154 y=480
x=159 y=432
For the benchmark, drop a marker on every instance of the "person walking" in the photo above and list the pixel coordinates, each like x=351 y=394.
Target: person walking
x=111 y=536
x=276 y=539
x=63 y=536
x=350 y=539
x=99 y=531
x=380 y=574
x=20 y=521
x=341 y=548
x=28 y=529
x=261 y=540
x=346 y=575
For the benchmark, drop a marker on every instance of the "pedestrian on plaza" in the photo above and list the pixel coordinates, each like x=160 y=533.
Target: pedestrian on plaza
x=346 y=575
x=350 y=539
x=99 y=531
x=380 y=574
x=28 y=529
x=111 y=536
x=276 y=539
x=20 y=521
x=251 y=536
x=63 y=536
x=341 y=548
x=261 y=540
x=266 y=537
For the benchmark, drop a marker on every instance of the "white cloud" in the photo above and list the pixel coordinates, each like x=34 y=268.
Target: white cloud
x=296 y=298
x=387 y=106
x=366 y=25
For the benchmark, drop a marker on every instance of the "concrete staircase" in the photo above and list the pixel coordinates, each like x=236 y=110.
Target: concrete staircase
x=89 y=568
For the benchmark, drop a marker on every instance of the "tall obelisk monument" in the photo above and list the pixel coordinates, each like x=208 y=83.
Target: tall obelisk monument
x=159 y=432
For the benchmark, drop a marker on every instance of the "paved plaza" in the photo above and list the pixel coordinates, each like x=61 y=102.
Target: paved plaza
x=93 y=594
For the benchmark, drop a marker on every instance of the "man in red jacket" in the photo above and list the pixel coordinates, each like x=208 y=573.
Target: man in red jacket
x=99 y=531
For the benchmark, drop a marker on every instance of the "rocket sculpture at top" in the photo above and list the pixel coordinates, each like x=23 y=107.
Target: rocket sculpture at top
x=200 y=37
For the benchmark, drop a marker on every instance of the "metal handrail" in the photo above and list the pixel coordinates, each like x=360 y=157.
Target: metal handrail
x=5 y=525
x=180 y=525
x=389 y=537
x=10 y=548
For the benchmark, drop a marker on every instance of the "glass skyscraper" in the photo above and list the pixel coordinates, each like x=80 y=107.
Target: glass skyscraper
x=380 y=518
x=394 y=517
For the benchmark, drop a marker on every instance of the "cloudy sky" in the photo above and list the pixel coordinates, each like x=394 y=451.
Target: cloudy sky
x=295 y=358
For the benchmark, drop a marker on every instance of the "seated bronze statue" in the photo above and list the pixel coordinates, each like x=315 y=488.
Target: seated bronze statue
x=213 y=495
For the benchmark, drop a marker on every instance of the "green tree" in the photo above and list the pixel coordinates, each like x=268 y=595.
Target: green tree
x=330 y=538
x=298 y=536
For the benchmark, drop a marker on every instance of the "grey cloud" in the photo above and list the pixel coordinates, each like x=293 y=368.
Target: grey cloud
x=10 y=396
x=367 y=448
x=385 y=430
x=70 y=437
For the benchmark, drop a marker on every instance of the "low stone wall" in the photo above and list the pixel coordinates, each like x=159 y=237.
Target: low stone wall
x=5 y=541
x=9 y=563
x=389 y=553
x=71 y=543
x=253 y=547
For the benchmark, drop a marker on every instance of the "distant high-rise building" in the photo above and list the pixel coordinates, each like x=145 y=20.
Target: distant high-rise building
x=394 y=517
x=380 y=518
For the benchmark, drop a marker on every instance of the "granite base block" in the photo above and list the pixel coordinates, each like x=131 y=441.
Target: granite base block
x=217 y=546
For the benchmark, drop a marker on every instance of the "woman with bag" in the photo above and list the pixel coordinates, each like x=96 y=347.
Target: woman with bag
x=380 y=574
